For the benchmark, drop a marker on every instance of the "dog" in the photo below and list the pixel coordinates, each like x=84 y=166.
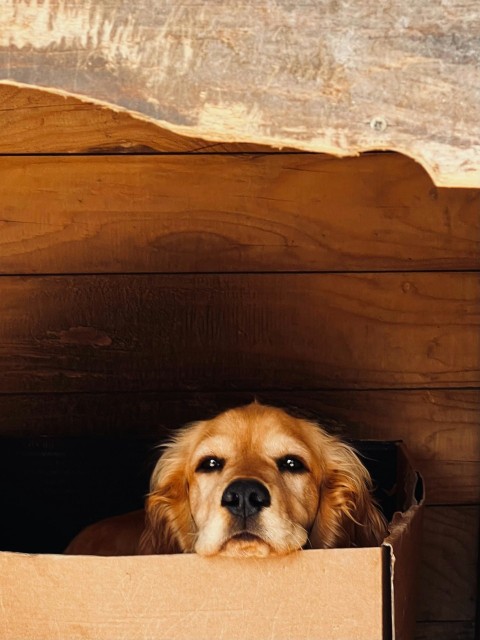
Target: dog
x=253 y=481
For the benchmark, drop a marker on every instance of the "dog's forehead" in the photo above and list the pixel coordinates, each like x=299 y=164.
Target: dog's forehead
x=249 y=429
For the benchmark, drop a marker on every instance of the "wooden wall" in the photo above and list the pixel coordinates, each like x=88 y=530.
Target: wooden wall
x=147 y=280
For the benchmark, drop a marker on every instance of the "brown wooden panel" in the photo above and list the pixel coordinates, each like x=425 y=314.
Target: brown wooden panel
x=451 y=481
x=440 y=428
x=280 y=212
x=246 y=331
x=341 y=77
x=449 y=562
x=34 y=121
x=445 y=631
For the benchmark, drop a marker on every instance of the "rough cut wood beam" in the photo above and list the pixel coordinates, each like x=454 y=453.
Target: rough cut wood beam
x=336 y=76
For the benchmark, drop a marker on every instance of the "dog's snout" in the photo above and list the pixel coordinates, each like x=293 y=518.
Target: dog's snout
x=245 y=497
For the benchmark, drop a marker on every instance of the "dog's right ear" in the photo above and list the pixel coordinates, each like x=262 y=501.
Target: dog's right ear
x=347 y=513
x=169 y=526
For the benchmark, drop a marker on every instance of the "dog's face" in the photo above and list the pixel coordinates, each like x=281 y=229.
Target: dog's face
x=253 y=484
x=255 y=481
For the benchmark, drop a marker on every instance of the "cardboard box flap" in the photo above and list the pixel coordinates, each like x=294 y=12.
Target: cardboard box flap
x=404 y=541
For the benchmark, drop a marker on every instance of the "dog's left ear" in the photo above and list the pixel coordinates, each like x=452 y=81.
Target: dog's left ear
x=169 y=527
x=347 y=515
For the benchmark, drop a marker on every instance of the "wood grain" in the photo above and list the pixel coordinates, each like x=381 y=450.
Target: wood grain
x=101 y=333
x=283 y=212
x=445 y=631
x=449 y=563
x=440 y=428
x=34 y=121
x=268 y=73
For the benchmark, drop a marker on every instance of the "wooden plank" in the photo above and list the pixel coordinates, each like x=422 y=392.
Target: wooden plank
x=34 y=121
x=268 y=73
x=440 y=428
x=98 y=333
x=445 y=631
x=285 y=212
x=448 y=581
x=451 y=481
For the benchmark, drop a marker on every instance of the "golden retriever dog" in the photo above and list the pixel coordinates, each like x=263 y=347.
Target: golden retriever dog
x=254 y=481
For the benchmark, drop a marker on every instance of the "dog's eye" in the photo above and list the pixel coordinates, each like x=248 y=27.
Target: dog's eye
x=209 y=464
x=292 y=464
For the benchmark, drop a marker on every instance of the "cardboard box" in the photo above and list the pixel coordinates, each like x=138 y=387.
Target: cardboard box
x=339 y=594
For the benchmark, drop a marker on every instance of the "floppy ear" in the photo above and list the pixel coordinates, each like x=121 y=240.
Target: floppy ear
x=347 y=515
x=169 y=527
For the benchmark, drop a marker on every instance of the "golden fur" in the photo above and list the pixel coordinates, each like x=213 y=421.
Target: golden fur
x=299 y=488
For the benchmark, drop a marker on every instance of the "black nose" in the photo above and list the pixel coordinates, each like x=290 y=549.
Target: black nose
x=245 y=497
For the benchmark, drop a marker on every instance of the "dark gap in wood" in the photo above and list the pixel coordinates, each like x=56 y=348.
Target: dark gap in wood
x=93 y=274
x=237 y=391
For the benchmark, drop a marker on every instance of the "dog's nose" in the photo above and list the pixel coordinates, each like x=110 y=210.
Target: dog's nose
x=244 y=497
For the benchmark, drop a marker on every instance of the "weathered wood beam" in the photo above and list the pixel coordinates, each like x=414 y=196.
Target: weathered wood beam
x=336 y=76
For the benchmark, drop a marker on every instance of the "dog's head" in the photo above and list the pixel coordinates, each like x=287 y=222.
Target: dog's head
x=255 y=481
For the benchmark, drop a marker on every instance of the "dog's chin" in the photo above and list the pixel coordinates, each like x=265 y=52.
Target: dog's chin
x=245 y=545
